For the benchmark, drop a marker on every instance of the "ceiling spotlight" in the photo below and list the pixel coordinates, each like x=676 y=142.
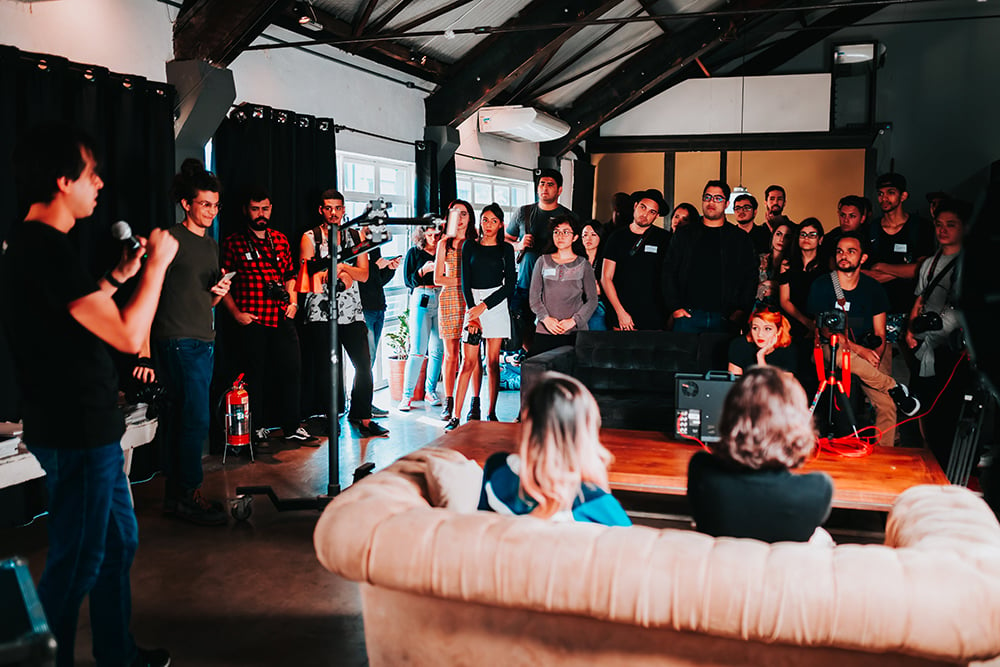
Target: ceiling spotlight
x=306 y=16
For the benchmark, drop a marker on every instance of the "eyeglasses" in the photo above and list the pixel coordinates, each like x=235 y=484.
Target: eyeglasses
x=744 y=208
x=207 y=205
x=563 y=232
x=718 y=199
x=808 y=235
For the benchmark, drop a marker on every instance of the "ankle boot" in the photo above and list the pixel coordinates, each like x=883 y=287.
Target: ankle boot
x=474 y=414
x=449 y=406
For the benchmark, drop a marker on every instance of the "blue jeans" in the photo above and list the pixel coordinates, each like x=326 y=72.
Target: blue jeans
x=93 y=536
x=701 y=321
x=185 y=367
x=598 y=321
x=375 y=319
x=424 y=341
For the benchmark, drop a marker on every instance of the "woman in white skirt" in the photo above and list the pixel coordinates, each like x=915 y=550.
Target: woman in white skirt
x=488 y=277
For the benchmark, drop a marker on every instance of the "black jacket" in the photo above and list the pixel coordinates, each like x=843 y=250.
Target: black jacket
x=739 y=264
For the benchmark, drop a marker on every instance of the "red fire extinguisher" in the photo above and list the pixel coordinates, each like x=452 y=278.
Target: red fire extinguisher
x=237 y=414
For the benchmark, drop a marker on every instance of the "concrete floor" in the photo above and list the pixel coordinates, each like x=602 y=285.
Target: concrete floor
x=250 y=593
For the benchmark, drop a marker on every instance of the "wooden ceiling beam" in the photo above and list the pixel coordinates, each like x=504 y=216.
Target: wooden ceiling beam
x=217 y=31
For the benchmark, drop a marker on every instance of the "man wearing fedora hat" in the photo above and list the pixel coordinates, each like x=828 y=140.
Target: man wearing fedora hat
x=633 y=264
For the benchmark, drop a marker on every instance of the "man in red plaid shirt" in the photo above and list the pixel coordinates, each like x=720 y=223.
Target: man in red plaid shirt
x=263 y=300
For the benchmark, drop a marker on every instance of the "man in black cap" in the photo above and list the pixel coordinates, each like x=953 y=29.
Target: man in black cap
x=711 y=271
x=900 y=241
x=633 y=265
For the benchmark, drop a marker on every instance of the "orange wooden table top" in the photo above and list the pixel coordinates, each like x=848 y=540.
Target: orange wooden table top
x=650 y=462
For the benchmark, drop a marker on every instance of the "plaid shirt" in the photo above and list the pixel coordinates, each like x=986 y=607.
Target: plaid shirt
x=254 y=261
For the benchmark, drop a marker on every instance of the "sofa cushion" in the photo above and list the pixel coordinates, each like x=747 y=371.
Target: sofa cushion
x=637 y=361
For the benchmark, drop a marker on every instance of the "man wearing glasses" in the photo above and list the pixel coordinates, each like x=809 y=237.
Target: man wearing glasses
x=711 y=270
x=263 y=301
x=745 y=208
x=633 y=266
x=183 y=345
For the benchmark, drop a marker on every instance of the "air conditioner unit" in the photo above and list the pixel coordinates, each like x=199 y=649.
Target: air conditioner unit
x=521 y=123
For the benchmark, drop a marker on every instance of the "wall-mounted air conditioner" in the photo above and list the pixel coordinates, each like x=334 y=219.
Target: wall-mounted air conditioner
x=521 y=123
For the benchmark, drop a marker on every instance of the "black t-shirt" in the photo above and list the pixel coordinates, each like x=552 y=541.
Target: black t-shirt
x=68 y=383
x=915 y=239
x=486 y=267
x=760 y=236
x=533 y=220
x=743 y=353
x=768 y=505
x=415 y=259
x=799 y=283
x=864 y=302
x=638 y=280
x=705 y=285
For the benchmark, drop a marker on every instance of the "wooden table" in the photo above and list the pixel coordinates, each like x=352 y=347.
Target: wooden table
x=650 y=462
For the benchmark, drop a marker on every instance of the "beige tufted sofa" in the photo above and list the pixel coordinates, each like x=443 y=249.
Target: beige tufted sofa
x=442 y=584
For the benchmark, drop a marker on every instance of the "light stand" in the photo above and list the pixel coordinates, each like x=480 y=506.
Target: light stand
x=375 y=213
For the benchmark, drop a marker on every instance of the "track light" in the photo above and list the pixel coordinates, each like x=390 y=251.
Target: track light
x=306 y=16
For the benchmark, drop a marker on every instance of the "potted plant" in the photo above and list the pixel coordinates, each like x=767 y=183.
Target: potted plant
x=399 y=347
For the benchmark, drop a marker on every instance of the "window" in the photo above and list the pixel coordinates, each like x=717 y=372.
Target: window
x=480 y=190
x=363 y=179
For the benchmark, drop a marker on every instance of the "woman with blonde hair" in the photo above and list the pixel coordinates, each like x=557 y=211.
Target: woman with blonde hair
x=745 y=487
x=561 y=469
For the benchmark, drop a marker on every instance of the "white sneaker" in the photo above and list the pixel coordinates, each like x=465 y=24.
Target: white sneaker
x=431 y=398
x=261 y=435
x=404 y=405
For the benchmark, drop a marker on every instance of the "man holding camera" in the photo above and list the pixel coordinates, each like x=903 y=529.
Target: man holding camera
x=864 y=302
x=263 y=301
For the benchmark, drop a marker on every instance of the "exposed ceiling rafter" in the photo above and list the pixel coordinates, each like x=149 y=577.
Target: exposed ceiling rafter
x=217 y=31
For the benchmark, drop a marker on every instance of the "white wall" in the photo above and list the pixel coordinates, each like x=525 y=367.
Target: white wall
x=126 y=36
x=521 y=153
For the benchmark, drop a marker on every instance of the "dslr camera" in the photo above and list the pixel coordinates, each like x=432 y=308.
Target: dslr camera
x=834 y=321
x=927 y=321
x=275 y=291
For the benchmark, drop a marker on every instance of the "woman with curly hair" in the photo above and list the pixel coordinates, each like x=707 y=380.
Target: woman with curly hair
x=745 y=487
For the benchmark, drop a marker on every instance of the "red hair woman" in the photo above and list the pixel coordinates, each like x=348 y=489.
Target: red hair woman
x=767 y=343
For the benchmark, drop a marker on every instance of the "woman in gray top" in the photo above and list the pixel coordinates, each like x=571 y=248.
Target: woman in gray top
x=563 y=292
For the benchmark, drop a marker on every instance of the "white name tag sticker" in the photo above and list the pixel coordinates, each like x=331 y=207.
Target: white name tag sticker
x=549 y=273
x=899 y=247
x=651 y=249
x=846 y=307
x=249 y=256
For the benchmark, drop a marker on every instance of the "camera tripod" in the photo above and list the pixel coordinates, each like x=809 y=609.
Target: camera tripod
x=838 y=388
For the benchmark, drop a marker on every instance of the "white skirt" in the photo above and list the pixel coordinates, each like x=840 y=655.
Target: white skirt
x=496 y=320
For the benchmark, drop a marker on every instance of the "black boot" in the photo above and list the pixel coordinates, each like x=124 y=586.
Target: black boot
x=449 y=406
x=474 y=414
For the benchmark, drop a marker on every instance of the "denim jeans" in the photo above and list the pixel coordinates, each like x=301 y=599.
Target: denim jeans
x=424 y=341
x=185 y=368
x=598 y=321
x=93 y=536
x=701 y=321
x=375 y=319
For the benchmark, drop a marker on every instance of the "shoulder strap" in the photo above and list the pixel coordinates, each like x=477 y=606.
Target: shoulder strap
x=838 y=291
x=939 y=277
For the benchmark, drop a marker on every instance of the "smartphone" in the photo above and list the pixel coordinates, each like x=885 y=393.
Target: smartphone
x=229 y=275
x=425 y=300
x=393 y=259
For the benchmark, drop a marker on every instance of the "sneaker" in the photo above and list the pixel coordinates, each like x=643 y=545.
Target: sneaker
x=197 y=509
x=906 y=402
x=431 y=398
x=261 y=435
x=151 y=657
x=492 y=417
x=404 y=405
x=301 y=435
x=379 y=412
x=372 y=430
x=474 y=413
x=452 y=424
x=449 y=406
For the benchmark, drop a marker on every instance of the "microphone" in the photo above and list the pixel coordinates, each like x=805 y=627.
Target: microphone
x=123 y=232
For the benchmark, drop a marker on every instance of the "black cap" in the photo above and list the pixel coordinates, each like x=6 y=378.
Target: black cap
x=891 y=180
x=653 y=195
x=937 y=194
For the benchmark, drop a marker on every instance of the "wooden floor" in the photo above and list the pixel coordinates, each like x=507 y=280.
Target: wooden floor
x=650 y=462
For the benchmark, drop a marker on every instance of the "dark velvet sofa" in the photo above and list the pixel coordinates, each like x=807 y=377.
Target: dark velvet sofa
x=631 y=373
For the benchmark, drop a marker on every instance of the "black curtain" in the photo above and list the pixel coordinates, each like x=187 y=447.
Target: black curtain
x=132 y=123
x=293 y=156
